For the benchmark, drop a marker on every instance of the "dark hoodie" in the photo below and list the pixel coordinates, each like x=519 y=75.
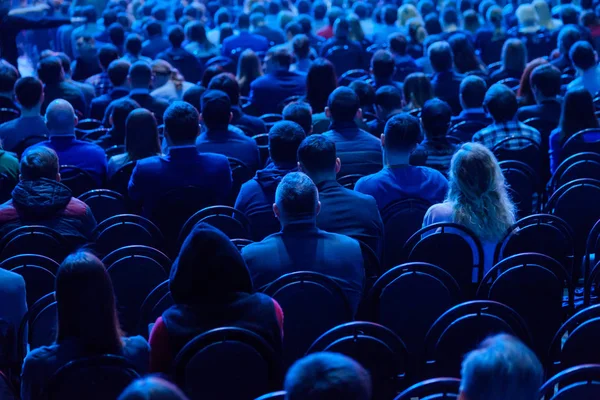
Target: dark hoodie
x=257 y=196
x=212 y=288
x=48 y=203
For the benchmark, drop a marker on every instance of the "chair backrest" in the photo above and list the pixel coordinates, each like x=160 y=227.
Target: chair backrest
x=273 y=396
x=33 y=239
x=240 y=174
x=225 y=62
x=577 y=166
x=120 y=180
x=289 y=100
x=241 y=243
x=77 y=179
x=512 y=83
x=465 y=130
x=344 y=59
x=8 y=114
x=95 y=134
x=353 y=75
x=39 y=325
x=115 y=150
x=348 y=181
x=104 y=203
x=587 y=140
x=523 y=186
x=89 y=124
x=433 y=289
x=126 y=230
x=519 y=148
x=432 y=389
x=579 y=382
x=401 y=219
x=94 y=378
x=228 y=220
x=312 y=303
x=463 y=327
x=592 y=247
x=262 y=141
x=208 y=365
x=271 y=119
x=29 y=141
x=379 y=350
x=157 y=302
x=37 y=271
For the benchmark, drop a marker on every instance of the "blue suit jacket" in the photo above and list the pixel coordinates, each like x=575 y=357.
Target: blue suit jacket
x=268 y=91
x=154 y=176
x=300 y=246
x=230 y=144
x=244 y=40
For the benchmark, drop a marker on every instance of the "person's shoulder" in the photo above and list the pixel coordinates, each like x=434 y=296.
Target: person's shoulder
x=136 y=344
x=214 y=159
x=339 y=240
x=11 y=281
x=441 y=212
x=92 y=147
x=9 y=125
x=76 y=208
x=41 y=356
x=254 y=250
x=368 y=180
x=433 y=174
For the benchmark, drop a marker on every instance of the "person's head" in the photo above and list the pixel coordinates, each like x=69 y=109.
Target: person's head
x=163 y=72
x=29 y=92
x=440 y=56
x=284 y=139
x=306 y=23
x=284 y=17
x=388 y=99
x=495 y=17
x=216 y=109
x=65 y=61
x=401 y=135
x=365 y=92
x=133 y=44
x=296 y=197
x=514 y=55
x=341 y=28
x=525 y=93
x=152 y=388
x=472 y=92
x=577 y=113
x=317 y=158
x=545 y=82
x=140 y=75
x=343 y=105
x=141 y=135
x=319 y=10
x=257 y=19
x=433 y=25
x=116 y=33
x=426 y=8
x=225 y=31
x=398 y=43
x=501 y=103
x=321 y=80
x=278 y=58
x=389 y=14
x=569 y=15
x=588 y=19
x=118 y=71
x=301 y=46
x=181 y=124
x=106 y=55
x=86 y=305
x=292 y=29
x=300 y=113
x=356 y=30
x=39 y=162
x=160 y=13
x=60 y=118
x=109 y=17
x=90 y=14
x=435 y=118
x=249 y=66
x=154 y=29
x=416 y=31
x=243 y=22
x=542 y=9
x=383 y=66
x=226 y=83
x=327 y=376
x=449 y=18
x=502 y=367
x=527 y=16
x=361 y=9
x=49 y=70
x=583 y=56
x=406 y=12
x=193 y=95
x=417 y=89
x=464 y=56
x=176 y=36
x=119 y=113
x=471 y=21
x=333 y=14
x=568 y=36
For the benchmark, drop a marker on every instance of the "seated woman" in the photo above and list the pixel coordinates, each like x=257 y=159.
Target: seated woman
x=465 y=58
x=514 y=58
x=87 y=325
x=212 y=288
x=476 y=198
x=141 y=140
x=417 y=90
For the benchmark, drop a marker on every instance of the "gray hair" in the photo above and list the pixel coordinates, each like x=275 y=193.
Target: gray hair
x=296 y=195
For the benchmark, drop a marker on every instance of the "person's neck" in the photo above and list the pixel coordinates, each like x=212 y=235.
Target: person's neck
x=319 y=178
x=62 y=133
x=388 y=114
x=397 y=159
x=298 y=222
x=133 y=87
x=31 y=112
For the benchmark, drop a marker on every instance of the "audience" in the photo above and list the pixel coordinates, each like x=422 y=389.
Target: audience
x=133 y=49
x=185 y=62
x=116 y=135
x=260 y=27
x=585 y=61
x=471 y=95
x=301 y=47
x=339 y=257
x=321 y=81
x=546 y=87
x=249 y=69
x=388 y=102
x=197 y=42
x=445 y=81
x=168 y=83
x=417 y=90
x=568 y=36
x=525 y=93
x=383 y=69
x=8 y=78
x=244 y=39
x=117 y=72
x=152 y=388
x=300 y=113
x=156 y=42
x=514 y=59
x=51 y=73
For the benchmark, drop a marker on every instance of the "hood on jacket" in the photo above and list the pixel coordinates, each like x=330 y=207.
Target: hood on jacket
x=40 y=198
x=269 y=178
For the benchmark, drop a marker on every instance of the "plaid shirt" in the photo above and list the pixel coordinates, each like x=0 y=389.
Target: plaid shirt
x=101 y=83
x=497 y=132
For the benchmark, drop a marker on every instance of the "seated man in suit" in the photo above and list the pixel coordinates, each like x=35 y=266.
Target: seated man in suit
x=279 y=83
x=388 y=102
x=343 y=211
x=359 y=151
x=216 y=115
x=244 y=39
x=50 y=71
x=398 y=179
x=189 y=66
x=445 y=81
x=472 y=92
x=61 y=121
x=545 y=85
x=153 y=177
x=117 y=73
x=256 y=196
x=301 y=246
x=383 y=69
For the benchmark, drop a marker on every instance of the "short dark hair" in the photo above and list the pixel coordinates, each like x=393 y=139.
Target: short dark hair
x=243 y=21
x=29 y=91
x=567 y=37
x=435 y=117
x=402 y=133
x=116 y=33
x=389 y=14
x=382 y=64
x=365 y=92
x=300 y=113
x=140 y=73
x=319 y=10
x=160 y=13
x=582 y=55
x=154 y=28
x=343 y=104
x=293 y=28
x=176 y=36
x=389 y=98
x=398 y=43
x=65 y=61
x=133 y=44
x=569 y=15
x=193 y=95
x=39 y=162
x=107 y=54
x=449 y=16
x=227 y=83
x=109 y=17
x=89 y=12
x=296 y=195
x=472 y=91
x=281 y=55
x=181 y=123
x=8 y=77
x=305 y=22
x=216 y=109
x=49 y=70
x=121 y=110
x=317 y=154
x=118 y=71
x=547 y=79
x=441 y=57
x=333 y=14
x=501 y=102
x=301 y=45
x=284 y=139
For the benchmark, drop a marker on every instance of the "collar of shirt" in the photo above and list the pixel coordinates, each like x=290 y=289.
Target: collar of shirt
x=478 y=110
x=139 y=91
x=301 y=223
x=328 y=184
x=343 y=126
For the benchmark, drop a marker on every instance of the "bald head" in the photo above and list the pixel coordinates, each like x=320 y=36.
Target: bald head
x=60 y=118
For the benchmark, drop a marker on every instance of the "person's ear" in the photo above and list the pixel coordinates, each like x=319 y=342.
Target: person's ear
x=318 y=210
x=110 y=120
x=276 y=210
x=358 y=114
x=230 y=117
x=58 y=177
x=20 y=178
x=299 y=167
x=327 y=112
x=200 y=118
x=76 y=120
x=383 y=140
x=338 y=165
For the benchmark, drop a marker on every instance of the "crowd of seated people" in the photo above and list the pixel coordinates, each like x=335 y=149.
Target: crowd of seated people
x=318 y=133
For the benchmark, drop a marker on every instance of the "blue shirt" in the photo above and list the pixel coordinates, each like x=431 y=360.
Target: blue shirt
x=230 y=144
x=589 y=80
x=244 y=40
x=13 y=132
x=404 y=182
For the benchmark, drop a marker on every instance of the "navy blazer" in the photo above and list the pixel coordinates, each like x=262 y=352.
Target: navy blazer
x=274 y=36
x=154 y=176
x=230 y=144
x=301 y=246
x=249 y=124
x=244 y=40
x=100 y=104
x=268 y=91
x=446 y=86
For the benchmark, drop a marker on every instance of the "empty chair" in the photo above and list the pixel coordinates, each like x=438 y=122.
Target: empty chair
x=577 y=383
x=432 y=389
x=126 y=230
x=77 y=179
x=577 y=166
x=39 y=273
x=157 y=302
x=350 y=76
x=465 y=130
x=587 y=140
x=376 y=348
x=463 y=327
x=390 y=300
x=226 y=363
x=39 y=325
x=33 y=240
x=230 y=221
x=120 y=180
x=104 y=203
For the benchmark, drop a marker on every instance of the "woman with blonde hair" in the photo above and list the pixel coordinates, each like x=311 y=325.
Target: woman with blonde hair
x=249 y=69
x=168 y=83
x=544 y=15
x=477 y=198
x=406 y=12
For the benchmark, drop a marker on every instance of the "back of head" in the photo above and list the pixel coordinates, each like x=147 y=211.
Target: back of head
x=65 y=61
x=216 y=109
x=402 y=133
x=109 y=17
x=471 y=19
x=324 y=376
x=365 y=92
x=292 y=29
x=343 y=104
x=116 y=32
x=141 y=135
x=133 y=44
x=546 y=79
x=526 y=15
x=317 y=156
x=296 y=197
x=449 y=17
x=39 y=162
x=306 y=23
x=89 y=12
x=280 y=57
x=50 y=70
x=284 y=139
x=243 y=21
x=441 y=57
x=301 y=46
x=319 y=10
x=472 y=92
x=160 y=13
x=154 y=28
x=432 y=24
x=140 y=74
x=176 y=36
x=388 y=98
x=29 y=91
x=398 y=43
x=583 y=56
x=120 y=111
x=341 y=28
x=501 y=102
x=300 y=113
x=501 y=368
x=406 y=12
x=389 y=14
x=8 y=77
x=417 y=89
x=118 y=71
x=107 y=54
x=193 y=95
x=181 y=123
x=578 y=113
x=568 y=36
x=152 y=388
x=60 y=117
x=227 y=83
x=435 y=117
x=494 y=15
x=383 y=65
x=569 y=15
x=514 y=55
x=321 y=81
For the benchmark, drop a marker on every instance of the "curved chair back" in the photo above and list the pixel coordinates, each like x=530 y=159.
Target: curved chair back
x=273 y=396
x=348 y=181
x=353 y=75
x=288 y=100
x=240 y=174
x=157 y=302
x=512 y=83
x=379 y=350
x=120 y=180
x=577 y=383
x=463 y=327
x=523 y=186
x=225 y=62
x=591 y=283
x=587 y=140
x=115 y=150
x=126 y=230
x=271 y=119
x=39 y=325
x=207 y=366
x=104 y=203
x=432 y=389
x=241 y=243
x=312 y=304
x=228 y=220
x=93 y=378
x=77 y=179
x=577 y=166
x=520 y=148
x=34 y=239
x=89 y=124
x=29 y=141
x=8 y=114
x=432 y=288
x=262 y=141
x=94 y=134
x=38 y=272
x=465 y=130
